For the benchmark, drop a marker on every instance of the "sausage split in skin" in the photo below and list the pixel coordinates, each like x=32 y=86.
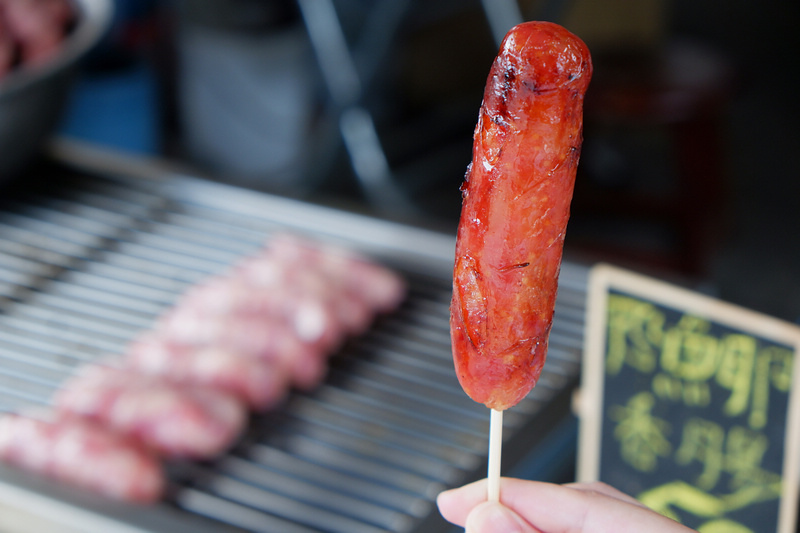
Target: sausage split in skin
x=516 y=198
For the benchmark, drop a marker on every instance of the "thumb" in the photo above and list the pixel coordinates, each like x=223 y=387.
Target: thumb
x=492 y=517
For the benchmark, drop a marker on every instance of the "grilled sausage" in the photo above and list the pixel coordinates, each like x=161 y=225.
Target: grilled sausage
x=516 y=198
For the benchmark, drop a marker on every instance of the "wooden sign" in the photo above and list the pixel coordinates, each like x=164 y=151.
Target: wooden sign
x=690 y=405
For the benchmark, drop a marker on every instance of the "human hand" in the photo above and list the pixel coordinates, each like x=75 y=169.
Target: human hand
x=534 y=507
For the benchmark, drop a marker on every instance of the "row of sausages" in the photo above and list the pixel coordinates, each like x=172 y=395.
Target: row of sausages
x=232 y=344
x=32 y=31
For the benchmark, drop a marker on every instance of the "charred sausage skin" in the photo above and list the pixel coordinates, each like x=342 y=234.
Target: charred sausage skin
x=516 y=198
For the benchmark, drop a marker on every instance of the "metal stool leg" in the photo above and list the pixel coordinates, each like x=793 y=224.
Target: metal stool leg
x=356 y=125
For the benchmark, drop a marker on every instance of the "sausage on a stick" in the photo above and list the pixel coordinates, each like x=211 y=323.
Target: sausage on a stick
x=516 y=198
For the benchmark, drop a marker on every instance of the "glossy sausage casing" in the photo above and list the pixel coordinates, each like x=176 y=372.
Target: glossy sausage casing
x=516 y=198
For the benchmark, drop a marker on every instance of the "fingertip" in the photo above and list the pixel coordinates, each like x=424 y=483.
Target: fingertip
x=444 y=497
x=447 y=503
x=454 y=504
x=492 y=517
x=470 y=493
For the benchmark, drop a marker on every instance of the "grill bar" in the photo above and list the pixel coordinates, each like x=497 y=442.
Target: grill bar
x=92 y=259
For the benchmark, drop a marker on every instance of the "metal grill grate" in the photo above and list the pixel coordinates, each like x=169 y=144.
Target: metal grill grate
x=90 y=260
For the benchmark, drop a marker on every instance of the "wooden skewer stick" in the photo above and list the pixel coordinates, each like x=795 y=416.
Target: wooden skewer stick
x=495 y=452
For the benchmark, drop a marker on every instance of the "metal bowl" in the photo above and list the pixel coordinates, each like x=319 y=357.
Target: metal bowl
x=32 y=98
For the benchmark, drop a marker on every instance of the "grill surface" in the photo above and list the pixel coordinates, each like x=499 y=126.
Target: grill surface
x=90 y=258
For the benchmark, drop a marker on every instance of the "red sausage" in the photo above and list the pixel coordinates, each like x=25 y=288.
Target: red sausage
x=516 y=198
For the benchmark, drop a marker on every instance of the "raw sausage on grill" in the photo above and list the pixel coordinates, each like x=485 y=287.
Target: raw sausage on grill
x=173 y=420
x=252 y=338
x=260 y=384
x=83 y=454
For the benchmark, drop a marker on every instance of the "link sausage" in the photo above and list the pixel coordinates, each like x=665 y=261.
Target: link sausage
x=516 y=198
